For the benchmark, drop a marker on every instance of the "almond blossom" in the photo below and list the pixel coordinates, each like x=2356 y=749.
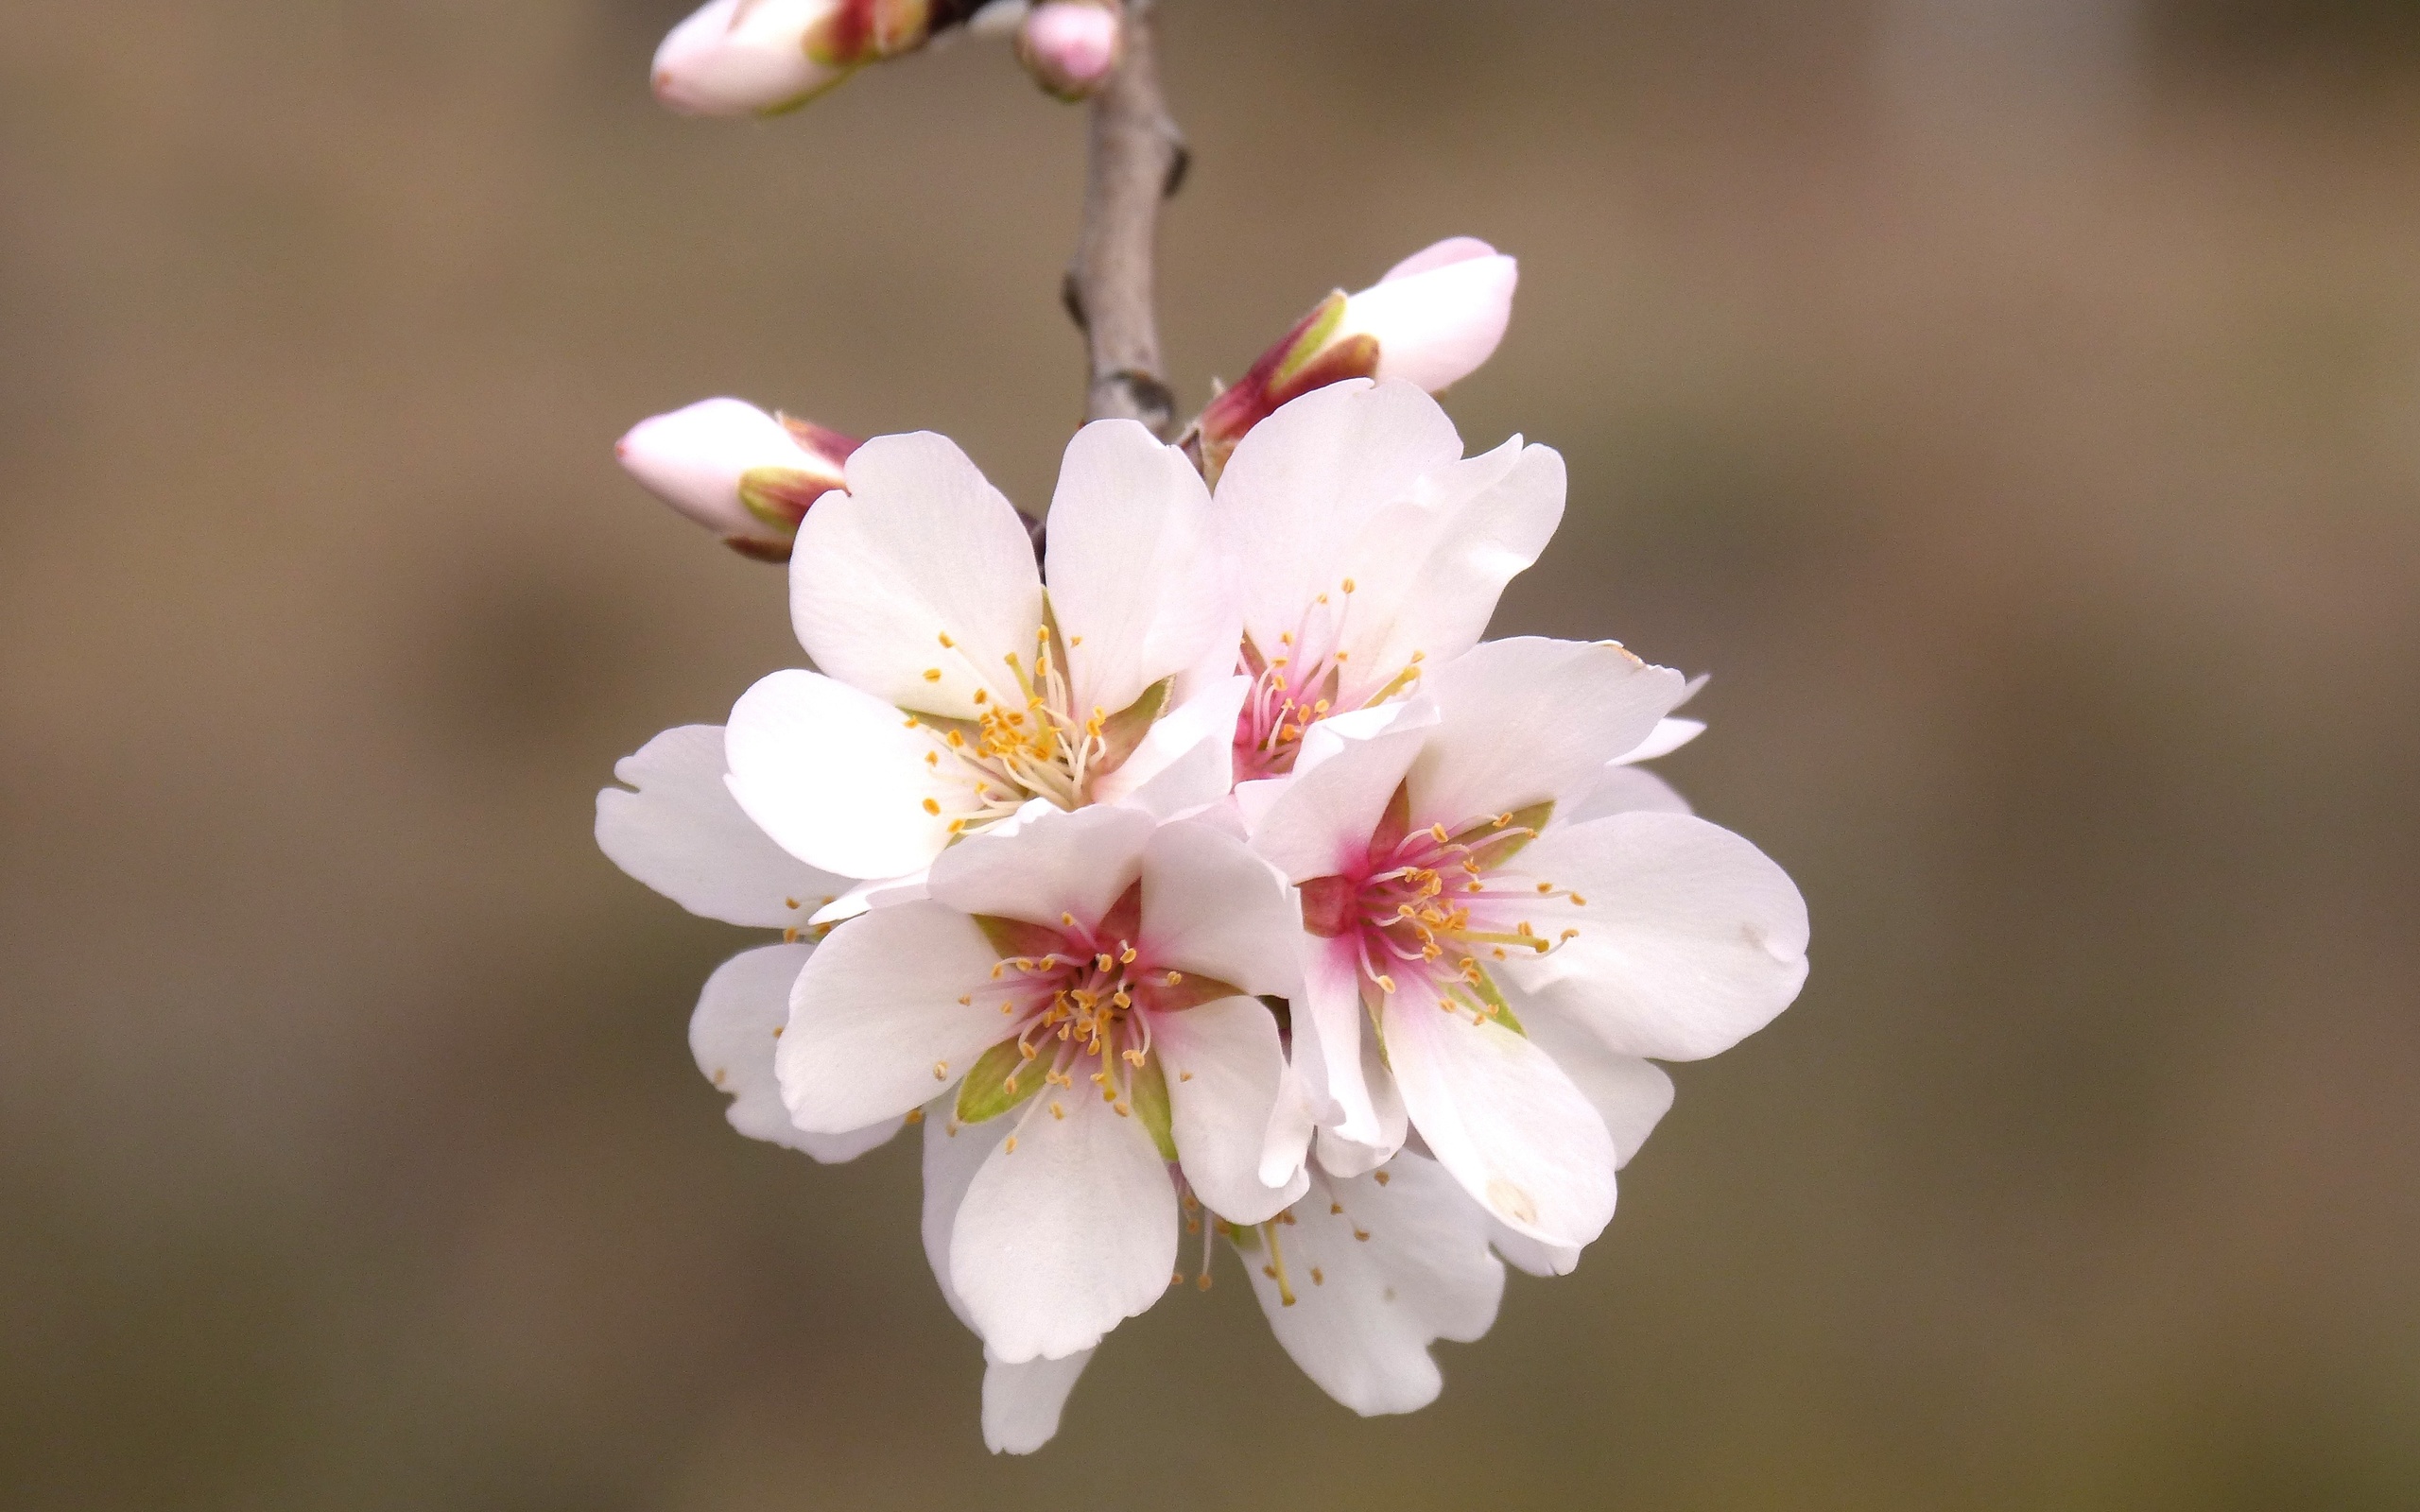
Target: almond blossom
x=1367 y=548
x=747 y=475
x=1513 y=970
x=1087 y=983
x=955 y=688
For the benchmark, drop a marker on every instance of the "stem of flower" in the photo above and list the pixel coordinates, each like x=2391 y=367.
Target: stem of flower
x=1136 y=159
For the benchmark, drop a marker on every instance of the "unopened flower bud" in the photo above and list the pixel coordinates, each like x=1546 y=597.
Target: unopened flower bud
x=1071 y=46
x=1431 y=320
x=759 y=57
x=746 y=475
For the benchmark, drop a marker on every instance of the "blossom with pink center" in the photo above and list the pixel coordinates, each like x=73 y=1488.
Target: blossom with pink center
x=1367 y=548
x=958 y=681
x=1071 y=46
x=1088 y=984
x=1513 y=970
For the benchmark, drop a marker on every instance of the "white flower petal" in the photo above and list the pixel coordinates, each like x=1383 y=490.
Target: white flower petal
x=1055 y=864
x=1690 y=941
x=1022 y=1403
x=1439 y=323
x=681 y=834
x=1427 y=573
x=740 y=1019
x=1328 y=1040
x=1301 y=485
x=1066 y=1235
x=1186 y=758
x=1366 y=1309
x=954 y=1152
x=1528 y=720
x=1624 y=789
x=1668 y=734
x=1226 y=1069
x=836 y=777
x=919 y=548
x=1320 y=824
x=1631 y=1094
x=1287 y=1142
x=1212 y=907
x=1341 y=1153
x=1499 y=1113
x=875 y=1026
x=1136 y=587
x=1527 y=1254
x=874 y=892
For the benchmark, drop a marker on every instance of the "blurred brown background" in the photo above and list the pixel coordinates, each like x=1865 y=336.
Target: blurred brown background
x=2015 y=403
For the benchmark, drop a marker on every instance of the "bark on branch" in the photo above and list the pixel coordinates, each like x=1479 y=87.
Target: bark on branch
x=1136 y=159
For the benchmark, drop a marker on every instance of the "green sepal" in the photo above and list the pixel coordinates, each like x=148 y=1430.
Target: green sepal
x=1149 y=1099
x=1124 y=730
x=1485 y=996
x=1316 y=332
x=1002 y=1080
x=1494 y=852
x=1016 y=939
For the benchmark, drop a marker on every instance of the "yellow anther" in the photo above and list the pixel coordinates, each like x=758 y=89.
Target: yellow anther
x=789 y=936
x=1362 y=1234
x=958 y=826
x=1335 y=1208
x=1383 y=1177
x=1203 y=1281
x=966 y=1001
x=1102 y=961
x=1386 y=983
x=932 y=673
x=1182 y=1076
x=1057 y=1112
x=1570 y=934
x=932 y=758
x=940 y=1070
x=1317 y=1280
x=1010 y=1148
x=1578 y=901
x=933 y=807
x=982 y=697
x=1348 y=585
x=1174 y=977
x=915 y=1115
x=1125 y=956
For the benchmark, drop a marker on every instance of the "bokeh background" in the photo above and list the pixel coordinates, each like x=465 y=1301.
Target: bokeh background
x=2014 y=404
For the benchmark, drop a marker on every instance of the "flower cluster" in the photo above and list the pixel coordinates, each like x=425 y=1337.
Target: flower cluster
x=1210 y=882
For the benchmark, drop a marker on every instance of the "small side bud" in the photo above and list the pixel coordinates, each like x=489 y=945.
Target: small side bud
x=748 y=476
x=1071 y=46
x=763 y=57
x=1431 y=320
x=744 y=57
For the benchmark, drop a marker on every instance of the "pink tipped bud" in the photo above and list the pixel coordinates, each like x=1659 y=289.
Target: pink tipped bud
x=758 y=57
x=1437 y=314
x=1432 y=320
x=1071 y=46
x=746 y=475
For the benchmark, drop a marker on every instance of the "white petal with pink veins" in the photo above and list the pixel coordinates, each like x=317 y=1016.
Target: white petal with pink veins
x=920 y=547
x=1320 y=825
x=1065 y=1233
x=682 y=834
x=740 y=1019
x=1404 y=1264
x=1226 y=1069
x=1136 y=588
x=875 y=1026
x=1022 y=1403
x=836 y=777
x=1691 y=938
x=1528 y=720
x=1496 y=1112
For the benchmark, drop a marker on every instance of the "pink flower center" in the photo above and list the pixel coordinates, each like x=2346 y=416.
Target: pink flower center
x=1309 y=675
x=1436 y=907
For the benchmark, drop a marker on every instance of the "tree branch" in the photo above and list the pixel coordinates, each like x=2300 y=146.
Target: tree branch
x=1136 y=159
